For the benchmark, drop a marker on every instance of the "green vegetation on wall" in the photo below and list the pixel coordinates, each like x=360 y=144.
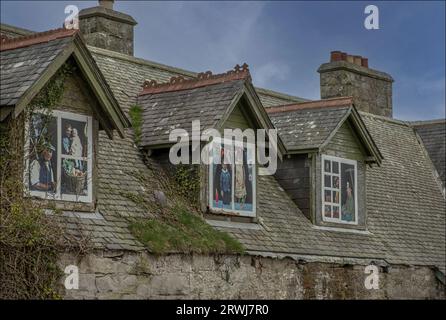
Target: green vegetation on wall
x=183 y=231
x=135 y=114
x=176 y=224
x=30 y=240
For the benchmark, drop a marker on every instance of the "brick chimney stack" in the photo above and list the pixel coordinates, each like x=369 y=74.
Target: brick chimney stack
x=106 y=28
x=350 y=75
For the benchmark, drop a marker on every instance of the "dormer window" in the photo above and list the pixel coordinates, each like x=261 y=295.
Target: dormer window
x=339 y=190
x=59 y=156
x=232 y=178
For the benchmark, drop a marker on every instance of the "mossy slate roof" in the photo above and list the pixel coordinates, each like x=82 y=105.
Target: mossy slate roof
x=21 y=67
x=126 y=76
x=433 y=134
x=171 y=110
x=307 y=128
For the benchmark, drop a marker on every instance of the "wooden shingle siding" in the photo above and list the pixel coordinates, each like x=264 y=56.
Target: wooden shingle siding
x=237 y=120
x=345 y=144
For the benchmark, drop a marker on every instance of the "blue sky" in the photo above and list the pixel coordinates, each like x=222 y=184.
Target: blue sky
x=283 y=42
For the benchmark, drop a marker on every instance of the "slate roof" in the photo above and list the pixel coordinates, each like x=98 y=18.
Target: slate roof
x=126 y=75
x=272 y=98
x=21 y=67
x=308 y=128
x=166 y=111
x=405 y=209
x=433 y=134
x=405 y=205
x=13 y=31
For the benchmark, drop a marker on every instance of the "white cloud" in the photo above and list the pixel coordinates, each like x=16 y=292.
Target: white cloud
x=264 y=75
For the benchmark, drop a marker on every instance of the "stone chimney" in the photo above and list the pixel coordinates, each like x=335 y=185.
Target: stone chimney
x=349 y=75
x=106 y=28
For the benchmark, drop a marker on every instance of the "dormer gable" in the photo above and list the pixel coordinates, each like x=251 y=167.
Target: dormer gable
x=39 y=56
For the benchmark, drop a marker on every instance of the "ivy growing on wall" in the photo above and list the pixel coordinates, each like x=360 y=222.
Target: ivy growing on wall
x=188 y=181
x=30 y=240
x=135 y=114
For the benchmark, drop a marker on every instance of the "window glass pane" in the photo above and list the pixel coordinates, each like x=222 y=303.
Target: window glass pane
x=327 y=166
x=335 y=196
x=347 y=193
x=74 y=138
x=327 y=196
x=336 y=212
x=327 y=181
x=335 y=182
x=243 y=184
x=74 y=179
x=335 y=166
x=222 y=178
x=43 y=153
x=327 y=212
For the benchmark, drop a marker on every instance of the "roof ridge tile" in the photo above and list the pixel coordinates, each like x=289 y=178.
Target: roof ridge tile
x=35 y=38
x=324 y=103
x=178 y=83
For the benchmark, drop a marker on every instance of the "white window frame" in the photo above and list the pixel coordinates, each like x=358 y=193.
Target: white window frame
x=323 y=188
x=59 y=115
x=240 y=213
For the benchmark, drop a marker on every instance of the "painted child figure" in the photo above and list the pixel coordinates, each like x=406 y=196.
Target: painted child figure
x=225 y=184
x=240 y=187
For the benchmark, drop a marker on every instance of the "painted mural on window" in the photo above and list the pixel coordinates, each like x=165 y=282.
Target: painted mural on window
x=339 y=190
x=43 y=154
x=74 y=154
x=59 y=156
x=232 y=178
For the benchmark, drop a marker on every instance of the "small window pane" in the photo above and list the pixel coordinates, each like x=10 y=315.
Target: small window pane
x=74 y=138
x=335 y=196
x=327 y=181
x=74 y=180
x=43 y=153
x=327 y=196
x=222 y=186
x=327 y=166
x=335 y=182
x=336 y=212
x=348 y=192
x=335 y=166
x=327 y=211
x=243 y=184
x=222 y=177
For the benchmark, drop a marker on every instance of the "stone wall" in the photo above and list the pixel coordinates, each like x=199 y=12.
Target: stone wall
x=130 y=275
x=371 y=90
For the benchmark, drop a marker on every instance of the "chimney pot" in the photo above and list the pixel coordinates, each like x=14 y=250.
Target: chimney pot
x=107 y=4
x=350 y=58
x=336 y=56
x=365 y=62
x=357 y=60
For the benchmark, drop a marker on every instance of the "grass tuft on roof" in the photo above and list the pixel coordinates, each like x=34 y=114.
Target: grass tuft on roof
x=182 y=231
